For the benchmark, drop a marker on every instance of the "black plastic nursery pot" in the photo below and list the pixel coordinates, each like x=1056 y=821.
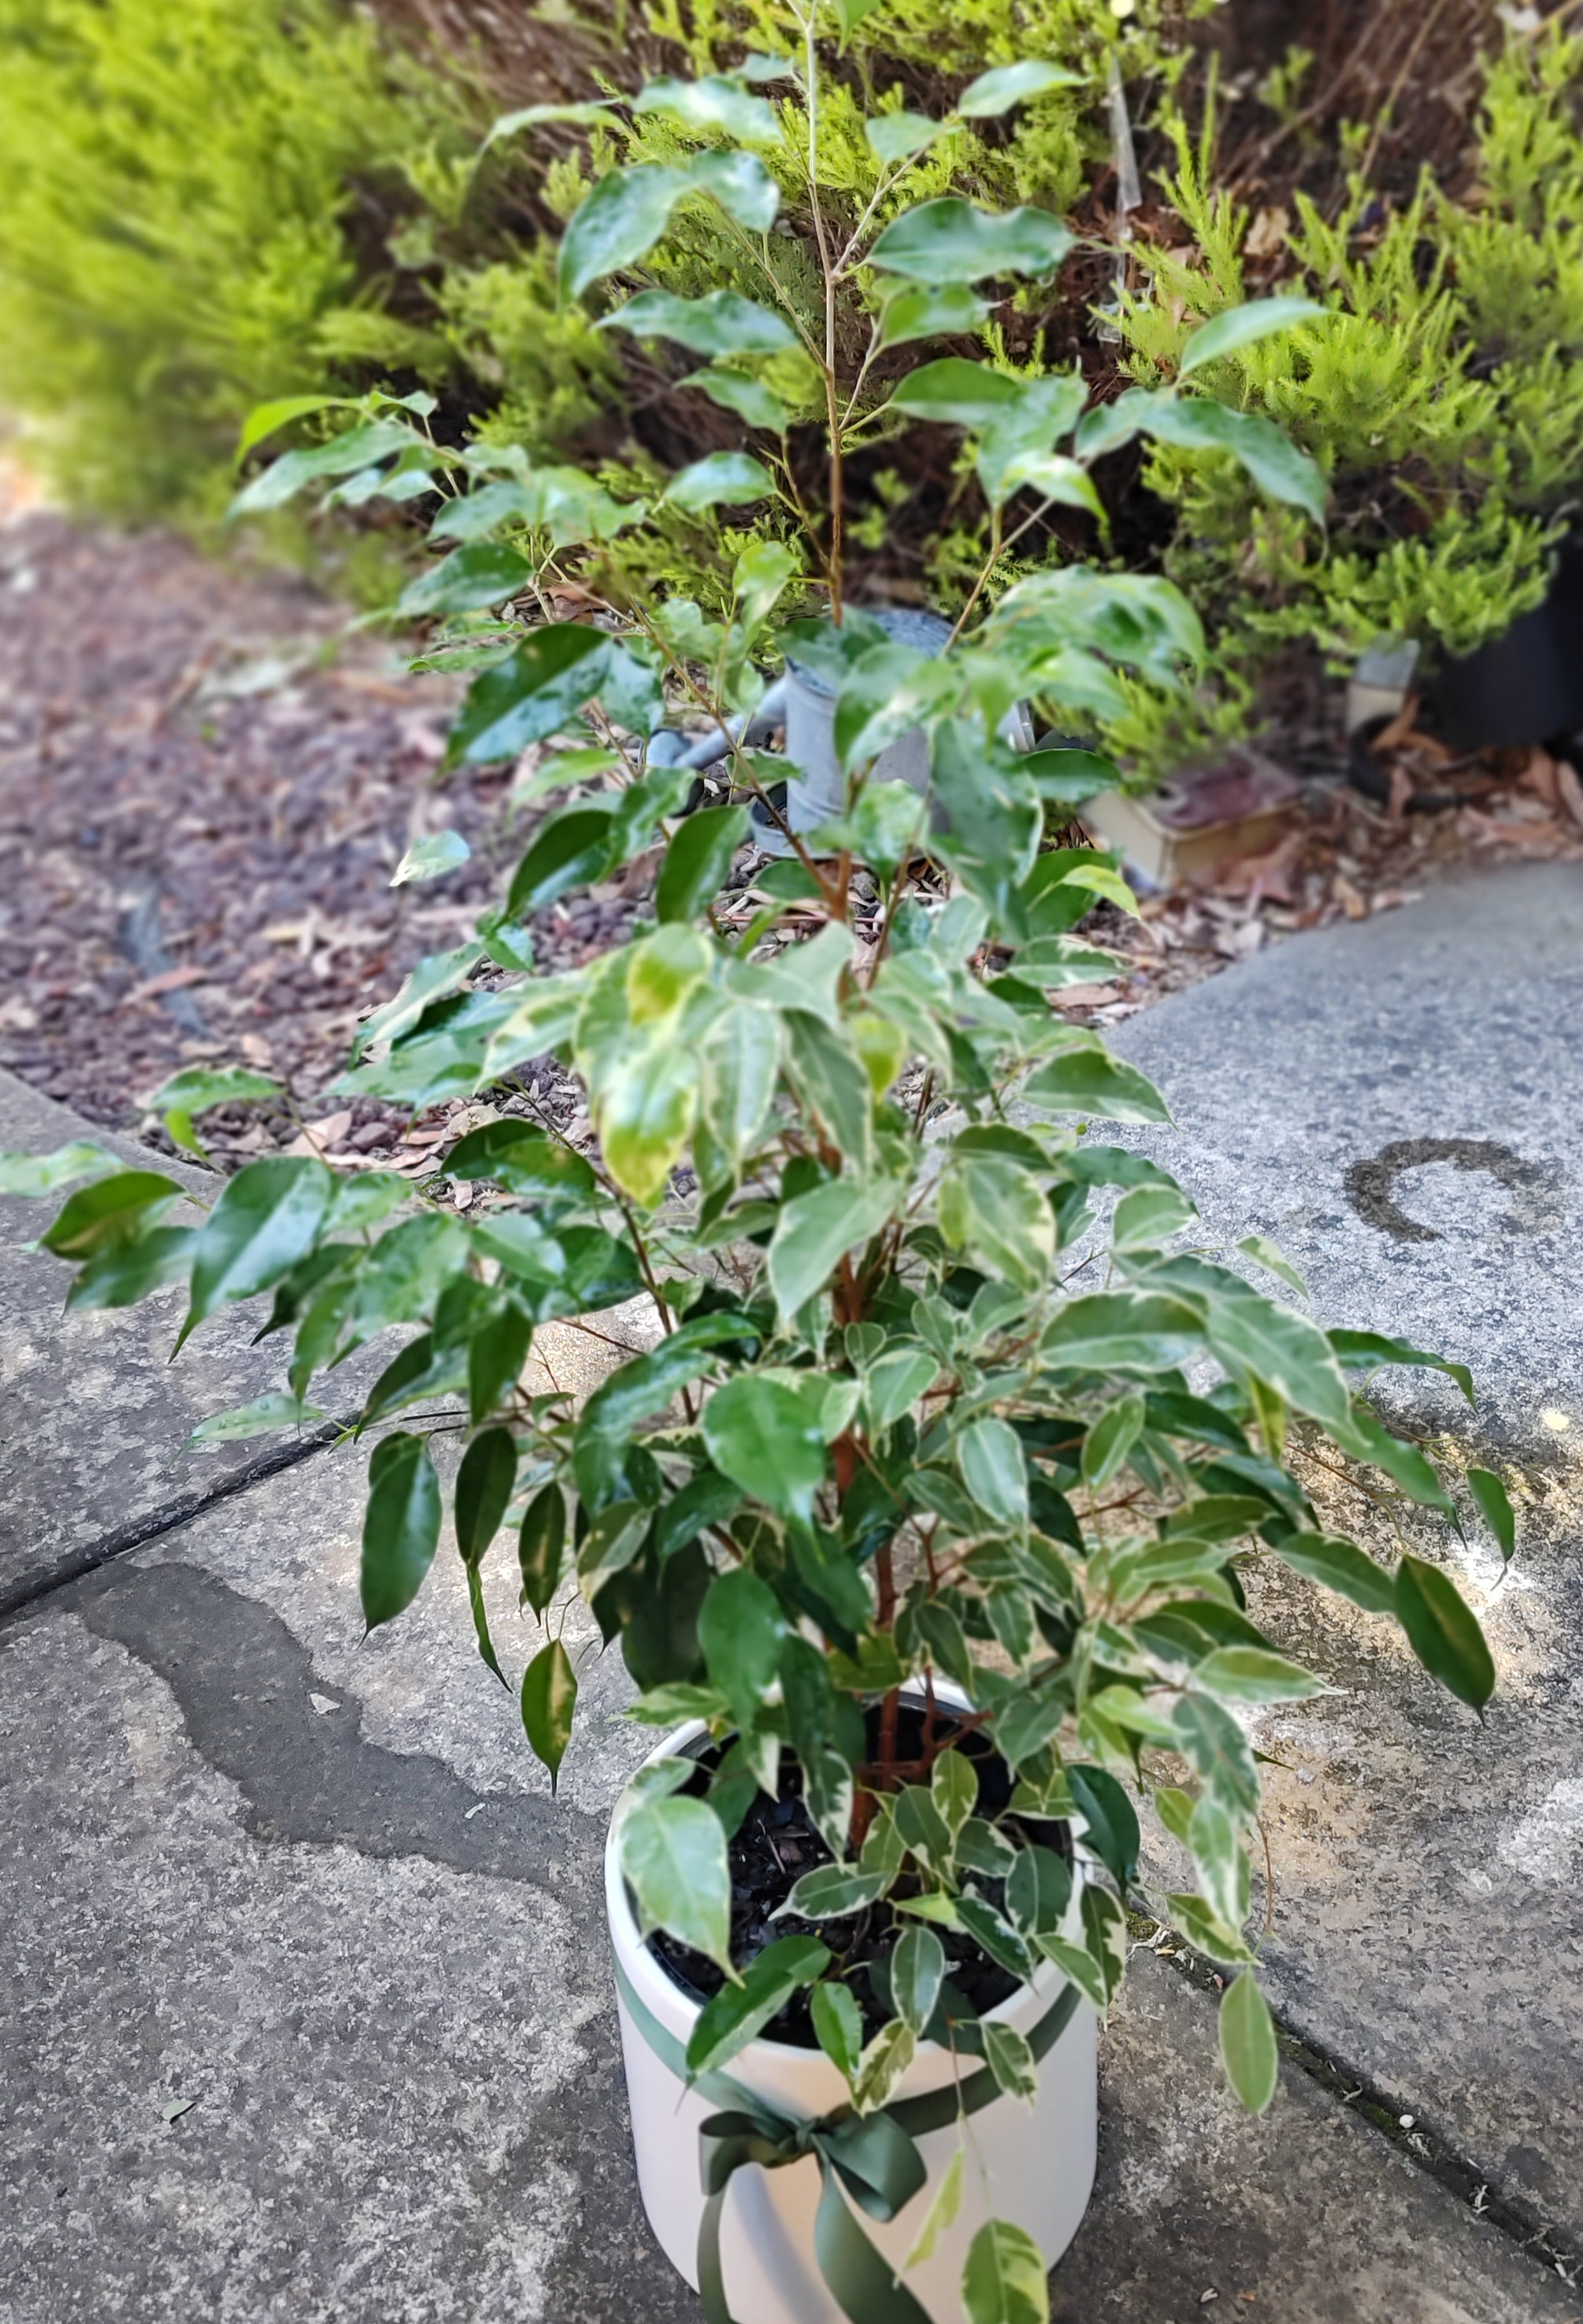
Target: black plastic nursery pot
x=1526 y=686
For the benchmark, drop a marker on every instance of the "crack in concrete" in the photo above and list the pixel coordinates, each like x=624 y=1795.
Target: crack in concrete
x=244 y=1681
x=1536 y=1187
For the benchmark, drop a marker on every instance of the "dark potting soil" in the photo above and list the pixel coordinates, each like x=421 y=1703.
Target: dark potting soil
x=777 y=1842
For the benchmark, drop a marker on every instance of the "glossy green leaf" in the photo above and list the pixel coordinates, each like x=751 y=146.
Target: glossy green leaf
x=814 y=1230
x=1146 y=1218
x=1089 y=1080
x=264 y=418
x=1003 y=2281
x=990 y=1207
x=944 y=2206
x=1366 y=1438
x=484 y=1484
x=1366 y=1350
x=644 y=1112
x=355 y=447
x=431 y=858
x=711 y=102
x=549 y=1705
x=479 y=574
x=32 y=1176
x=742 y=1630
x=1242 y=327
x=1038 y=1888
x=922 y=1830
x=108 y=1211
x=927 y=310
x=898 y=136
x=730 y=476
x=830 y=1891
x=838 y=2025
x=1011 y=2061
x=1214 y=1747
x=951 y=241
x=541 y=1547
x=741 y=184
x=989 y=1454
x=1004 y=86
x=265 y=1220
x=196 y=1088
x=1496 y=1509
x=1123 y=1330
x=882 y=2065
x=572 y=849
x=738 y=2013
x=753 y=403
x=122 y=1273
x=1341 y=1566
x=1194 y=423
x=698 y=860
x=497 y=1349
x=401 y=1526
x=618 y=223
x=1443 y=1632
x=1249 y=1675
x=259 y=1418
x=953 y=1786
x=673 y=1852
x=1282 y=1348
x=918 y=1969
x=1112 y=1820
x=722 y=323
x=1248 y=2044
x=955 y=393
x=1111 y=1438
x=531 y=695
x=767 y=1440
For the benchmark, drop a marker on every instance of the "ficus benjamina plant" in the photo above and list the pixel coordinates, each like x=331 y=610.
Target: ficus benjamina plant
x=948 y=1387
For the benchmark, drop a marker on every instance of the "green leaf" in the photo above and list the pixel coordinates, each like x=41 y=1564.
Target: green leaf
x=549 y=1703
x=736 y=390
x=1196 y=424
x=1215 y=1746
x=541 y=1547
x=830 y=1891
x=1123 y=1330
x=1078 y=1965
x=1071 y=777
x=1003 y=2281
x=644 y=1113
x=1266 y=1254
x=523 y=1159
x=1038 y=1888
x=1249 y=1333
x=255 y=1419
x=723 y=323
x=355 y=448
x=265 y=1220
x=484 y=1484
x=741 y=186
x=615 y=1538
x=882 y=2064
x=951 y=241
x=816 y=1230
x=990 y=1207
x=768 y=1440
x=482 y=573
x=1341 y=1566
x=927 y=310
x=833 y=1082
x=989 y=1453
x=1113 y=1435
x=918 y=1969
x=1090 y=1081
x=714 y=102
x=1004 y=86
x=197 y=1087
x=573 y=848
x=1496 y=1509
x=32 y=1177
x=431 y=858
x=730 y=476
x=497 y=1349
x=953 y=1786
x=1146 y=1218
x=941 y=2214
x=1011 y=2061
x=1364 y=1350
x=112 y=1210
x=742 y=1630
x=697 y=861
x=897 y=136
x=1443 y=1632
x=264 y=418
x=957 y=393
x=1241 y=327
x=1105 y=1934
x=401 y=1526
x=838 y=2025
x=729 y=2021
x=1366 y=1438
x=1248 y=2044
x=1249 y=1675
x=481 y=1614
x=1112 y=1820
x=673 y=1852
x=922 y=1830
x=531 y=694
x=618 y=223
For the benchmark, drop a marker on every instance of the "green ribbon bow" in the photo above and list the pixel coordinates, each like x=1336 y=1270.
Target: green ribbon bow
x=873 y=2157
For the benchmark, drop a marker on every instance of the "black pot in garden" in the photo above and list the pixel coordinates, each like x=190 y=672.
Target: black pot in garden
x=1526 y=686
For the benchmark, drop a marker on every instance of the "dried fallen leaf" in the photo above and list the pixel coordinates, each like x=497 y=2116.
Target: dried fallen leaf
x=1570 y=790
x=1349 y=897
x=172 y=980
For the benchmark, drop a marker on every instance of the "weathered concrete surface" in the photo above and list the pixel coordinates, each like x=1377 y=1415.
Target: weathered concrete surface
x=1429 y=1928
x=93 y=1415
x=1456 y=1019
x=1308 y=2217
x=317 y=1886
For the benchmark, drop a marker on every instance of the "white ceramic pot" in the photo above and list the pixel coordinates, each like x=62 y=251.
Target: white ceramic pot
x=1032 y=2164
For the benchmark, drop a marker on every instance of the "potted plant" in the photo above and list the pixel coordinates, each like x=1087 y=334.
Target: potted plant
x=924 y=1526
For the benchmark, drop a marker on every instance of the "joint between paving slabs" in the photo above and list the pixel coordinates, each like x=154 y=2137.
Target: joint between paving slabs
x=1395 y=2119
x=28 y=1596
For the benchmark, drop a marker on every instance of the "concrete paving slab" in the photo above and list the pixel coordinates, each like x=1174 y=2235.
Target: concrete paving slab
x=1398 y=1103
x=1428 y=1922
x=93 y=1415
x=1307 y=2217
x=310 y=2013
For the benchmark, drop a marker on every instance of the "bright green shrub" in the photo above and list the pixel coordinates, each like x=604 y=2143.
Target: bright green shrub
x=195 y=207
